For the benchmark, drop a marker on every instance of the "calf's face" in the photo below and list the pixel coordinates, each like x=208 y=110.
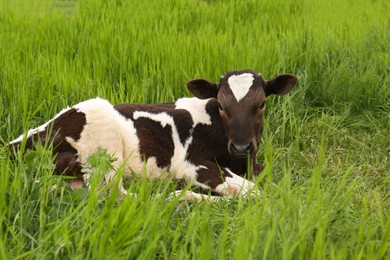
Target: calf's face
x=241 y=97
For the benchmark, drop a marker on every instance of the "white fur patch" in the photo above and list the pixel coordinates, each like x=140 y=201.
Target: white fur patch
x=163 y=118
x=240 y=84
x=106 y=128
x=197 y=108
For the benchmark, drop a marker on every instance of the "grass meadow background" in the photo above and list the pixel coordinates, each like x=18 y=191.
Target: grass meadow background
x=326 y=185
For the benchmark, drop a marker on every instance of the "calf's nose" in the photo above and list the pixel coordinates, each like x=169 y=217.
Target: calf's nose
x=240 y=149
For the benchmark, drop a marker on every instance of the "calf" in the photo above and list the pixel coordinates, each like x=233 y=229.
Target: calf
x=205 y=141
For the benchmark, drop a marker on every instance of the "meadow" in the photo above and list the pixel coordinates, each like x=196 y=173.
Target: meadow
x=326 y=146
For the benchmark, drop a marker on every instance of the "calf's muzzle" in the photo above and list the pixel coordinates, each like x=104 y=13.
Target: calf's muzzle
x=241 y=150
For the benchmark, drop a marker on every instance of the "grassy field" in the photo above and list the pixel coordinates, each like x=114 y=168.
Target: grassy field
x=326 y=146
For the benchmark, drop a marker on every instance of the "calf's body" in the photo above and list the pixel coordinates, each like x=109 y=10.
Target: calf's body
x=205 y=140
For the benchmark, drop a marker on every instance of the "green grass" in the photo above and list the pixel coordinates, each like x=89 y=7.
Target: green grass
x=326 y=146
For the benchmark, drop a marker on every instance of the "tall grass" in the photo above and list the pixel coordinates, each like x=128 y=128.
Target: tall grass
x=326 y=185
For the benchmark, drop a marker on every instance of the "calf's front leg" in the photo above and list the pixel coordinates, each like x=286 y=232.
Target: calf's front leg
x=223 y=181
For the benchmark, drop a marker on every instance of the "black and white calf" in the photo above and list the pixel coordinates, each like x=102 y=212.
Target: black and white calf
x=205 y=140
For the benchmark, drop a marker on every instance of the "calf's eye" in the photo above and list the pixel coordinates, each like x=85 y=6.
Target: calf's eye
x=261 y=107
x=220 y=106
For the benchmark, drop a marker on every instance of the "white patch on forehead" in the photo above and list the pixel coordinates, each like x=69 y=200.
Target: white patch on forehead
x=240 y=84
x=197 y=108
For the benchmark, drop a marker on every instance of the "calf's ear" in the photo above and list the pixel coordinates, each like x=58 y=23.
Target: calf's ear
x=280 y=85
x=202 y=88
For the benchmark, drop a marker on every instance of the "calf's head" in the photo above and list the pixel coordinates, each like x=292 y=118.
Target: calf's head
x=241 y=97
